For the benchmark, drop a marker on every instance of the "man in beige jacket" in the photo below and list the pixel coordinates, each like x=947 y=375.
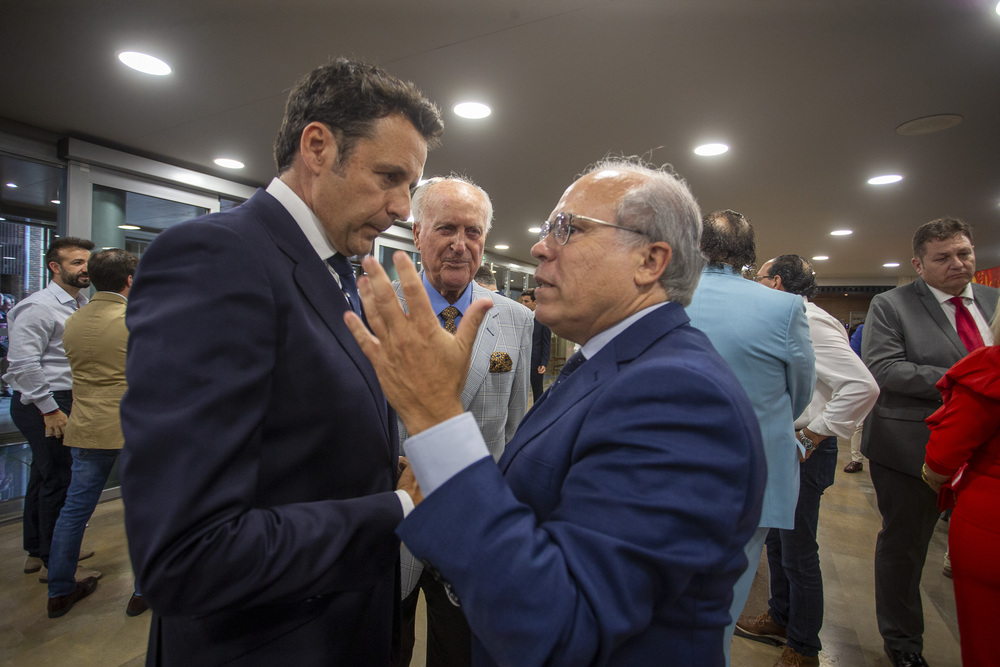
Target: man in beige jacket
x=95 y=341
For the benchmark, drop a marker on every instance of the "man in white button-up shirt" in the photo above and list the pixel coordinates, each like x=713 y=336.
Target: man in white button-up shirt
x=845 y=392
x=40 y=377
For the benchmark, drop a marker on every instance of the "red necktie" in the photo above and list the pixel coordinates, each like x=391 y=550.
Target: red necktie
x=967 y=329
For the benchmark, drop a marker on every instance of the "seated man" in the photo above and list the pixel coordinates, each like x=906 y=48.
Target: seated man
x=612 y=529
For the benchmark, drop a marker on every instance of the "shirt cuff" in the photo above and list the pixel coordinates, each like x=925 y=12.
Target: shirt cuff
x=46 y=404
x=442 y=451
x=406 y=501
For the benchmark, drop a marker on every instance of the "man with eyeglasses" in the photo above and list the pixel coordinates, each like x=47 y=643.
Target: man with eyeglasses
x=451 y=219
x=612 y=530
x=764 y=336
x=845 y=392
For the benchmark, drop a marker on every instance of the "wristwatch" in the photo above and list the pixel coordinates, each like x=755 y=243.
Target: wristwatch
x=806 y=441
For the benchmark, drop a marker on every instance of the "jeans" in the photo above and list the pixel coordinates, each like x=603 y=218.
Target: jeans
x=91 y=468
x=793 y=556
x=49 y=476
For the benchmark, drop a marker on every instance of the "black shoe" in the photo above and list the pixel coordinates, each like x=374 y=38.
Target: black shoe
x=136 y=605
x=904 y=659
x=58 y=606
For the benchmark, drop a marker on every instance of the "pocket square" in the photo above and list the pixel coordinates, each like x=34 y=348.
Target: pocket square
x=500 y=362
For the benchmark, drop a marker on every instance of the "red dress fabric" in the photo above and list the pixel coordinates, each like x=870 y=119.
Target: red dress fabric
x=967 y=428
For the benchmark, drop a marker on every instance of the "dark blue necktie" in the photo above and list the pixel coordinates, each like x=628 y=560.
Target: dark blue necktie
x=344 y=269
x=574 y=362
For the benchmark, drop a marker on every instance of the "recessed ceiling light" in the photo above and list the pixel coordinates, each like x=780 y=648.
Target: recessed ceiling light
x=891 y=265
x=144 y=63
x=56 y=202
x=12 y=185
x=127 y=227
x=534 y=230
x=229 y=163
x=501 y=246
x=929 y=124
x=885 y=180
x=841 y=232
x=820 y=258
x=472 y=110
x=998 y=8
x=711 y=149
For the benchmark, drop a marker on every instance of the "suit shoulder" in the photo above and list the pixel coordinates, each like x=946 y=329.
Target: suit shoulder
x=517 y=312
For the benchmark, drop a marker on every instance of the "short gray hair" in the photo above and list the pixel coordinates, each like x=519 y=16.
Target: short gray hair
x=417 y=202
x=662 y=208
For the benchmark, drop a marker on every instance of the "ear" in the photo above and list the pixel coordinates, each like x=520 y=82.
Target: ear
x=317 y=147
x=55 y=268
x=128 y=282
x=654 y=259
x=778 y=285
x=918 y=266
x=416 y=235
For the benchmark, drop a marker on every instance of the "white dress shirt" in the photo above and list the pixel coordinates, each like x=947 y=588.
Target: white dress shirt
x=845 y=389
x=38 y=363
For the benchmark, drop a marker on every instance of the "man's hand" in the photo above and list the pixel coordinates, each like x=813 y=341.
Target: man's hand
x=541 y=370
x=422 y=368
x=408 y=483
x=55 y=424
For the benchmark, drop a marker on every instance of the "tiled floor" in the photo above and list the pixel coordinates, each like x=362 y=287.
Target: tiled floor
x=97 y=632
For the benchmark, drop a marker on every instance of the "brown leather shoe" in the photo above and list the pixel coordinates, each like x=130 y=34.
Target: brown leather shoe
x=760 y=628
x=854 y=466
x=136 y=605
x=58 y=606
x=792 y=658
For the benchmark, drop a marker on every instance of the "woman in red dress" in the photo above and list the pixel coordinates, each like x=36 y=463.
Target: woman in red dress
x=966 y=429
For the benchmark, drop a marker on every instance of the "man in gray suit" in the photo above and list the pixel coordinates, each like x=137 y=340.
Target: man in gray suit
x=451 y=219
x=912 y=335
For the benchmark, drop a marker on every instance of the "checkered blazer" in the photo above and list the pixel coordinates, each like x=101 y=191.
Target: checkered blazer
x=497 y=397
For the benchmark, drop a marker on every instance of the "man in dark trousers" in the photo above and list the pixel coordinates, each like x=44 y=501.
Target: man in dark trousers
x=541 y=345
x=260 y=465
x=912 y=335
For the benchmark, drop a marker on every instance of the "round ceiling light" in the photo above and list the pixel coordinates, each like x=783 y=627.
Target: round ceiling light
x=841 y=232
x=501 y=246
x=229 y=163
x=534 y=230
x=891 y=265
x=885 y=180
x=144 y=63
x=711 y=149
x=473 y=110
x=820 y=258
x=929 y=124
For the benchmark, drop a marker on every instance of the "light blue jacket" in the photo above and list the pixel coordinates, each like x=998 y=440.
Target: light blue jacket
x=763 y=335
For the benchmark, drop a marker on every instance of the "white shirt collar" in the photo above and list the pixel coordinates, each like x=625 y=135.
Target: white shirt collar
x=303 y=215
x=944 y=296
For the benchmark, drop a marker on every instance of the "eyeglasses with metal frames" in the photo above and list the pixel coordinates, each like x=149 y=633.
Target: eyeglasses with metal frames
x=562 y=226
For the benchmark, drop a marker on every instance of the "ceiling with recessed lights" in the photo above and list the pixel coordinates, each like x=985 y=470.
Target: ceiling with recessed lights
x=807 y=95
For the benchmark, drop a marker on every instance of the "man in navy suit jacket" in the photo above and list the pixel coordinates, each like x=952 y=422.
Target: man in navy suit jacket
x=612 y=529
x=260 y=464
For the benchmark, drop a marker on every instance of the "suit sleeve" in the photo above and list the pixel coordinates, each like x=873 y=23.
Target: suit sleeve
x=959 y=428
x=570 y=587
x=546 y=343
x=205 y=330
x=883 y=349
x=800 y=368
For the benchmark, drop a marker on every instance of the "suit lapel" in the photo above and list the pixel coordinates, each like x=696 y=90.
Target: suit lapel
x=601 y=369
x=486 y=342
x=319 y=289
